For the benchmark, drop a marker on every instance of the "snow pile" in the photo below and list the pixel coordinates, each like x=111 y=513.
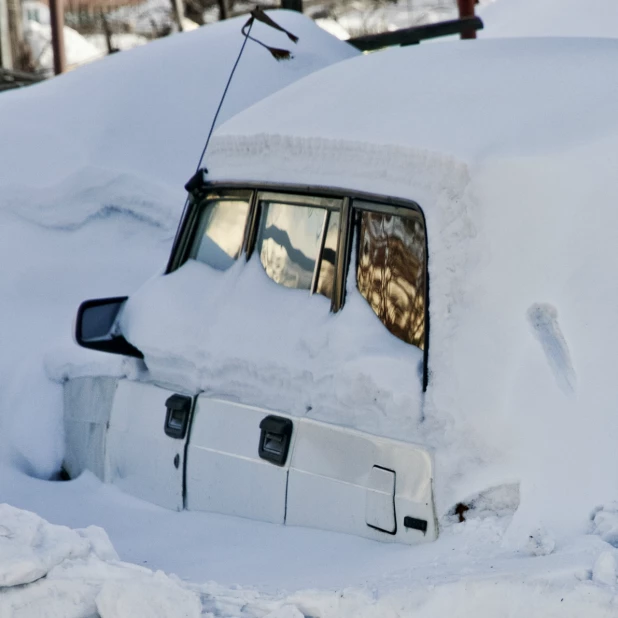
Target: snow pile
x=281 y=350
x=517 y=18
x=78 y=49
x=48 y=571
x=89 y=202
x=55 y=571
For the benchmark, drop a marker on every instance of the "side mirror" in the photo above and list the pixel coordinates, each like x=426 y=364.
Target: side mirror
x=96 y=327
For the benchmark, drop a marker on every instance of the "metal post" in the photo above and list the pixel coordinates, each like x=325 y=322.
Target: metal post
x=6 y=58
x=292 y=5
x=178 y=10
x=56 y=12
x=466 y=9
x=16 y=34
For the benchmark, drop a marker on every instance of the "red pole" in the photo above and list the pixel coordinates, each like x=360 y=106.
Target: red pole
x=466 y=9
x=56 y=11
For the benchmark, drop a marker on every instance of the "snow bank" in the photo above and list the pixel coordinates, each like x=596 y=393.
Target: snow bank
x=244 y=337
x=89 y=202
x=516 y=18
x=49 y=571
x=77 y=48
x=60 y=572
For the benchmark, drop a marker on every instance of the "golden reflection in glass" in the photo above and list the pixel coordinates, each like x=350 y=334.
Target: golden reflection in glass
x=391 y=272
x=221 y=232
x=288 y=243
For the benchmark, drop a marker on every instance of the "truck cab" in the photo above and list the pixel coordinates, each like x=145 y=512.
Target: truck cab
x=284 y=446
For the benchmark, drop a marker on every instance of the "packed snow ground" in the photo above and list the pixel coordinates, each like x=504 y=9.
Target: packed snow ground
x=113 y=201
x=262 y=570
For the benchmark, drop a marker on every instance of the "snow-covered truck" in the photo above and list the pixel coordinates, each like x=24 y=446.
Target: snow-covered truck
x=383 y=276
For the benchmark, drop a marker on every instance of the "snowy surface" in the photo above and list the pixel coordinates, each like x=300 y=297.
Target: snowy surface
x=78 y=49
x=266 y=570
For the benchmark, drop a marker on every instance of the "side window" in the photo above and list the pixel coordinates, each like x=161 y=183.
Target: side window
x=297 y=245
x=220 y=232
x=390 y=271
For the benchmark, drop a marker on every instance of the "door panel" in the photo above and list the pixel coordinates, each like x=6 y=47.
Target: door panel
x=348 y=481
x=141 y=458
x=225 y=472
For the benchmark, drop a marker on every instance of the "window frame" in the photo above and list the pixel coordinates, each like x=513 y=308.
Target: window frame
x=345 y=201
x=360 y=205
x=328 y=204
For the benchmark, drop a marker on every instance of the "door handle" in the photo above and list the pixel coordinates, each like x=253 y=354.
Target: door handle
x=275 y=437
x=177 y=416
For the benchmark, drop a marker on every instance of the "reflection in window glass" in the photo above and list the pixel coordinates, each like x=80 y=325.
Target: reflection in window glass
x=391 y=272
x=326 y=279
x=288 y=243
x=220 y=234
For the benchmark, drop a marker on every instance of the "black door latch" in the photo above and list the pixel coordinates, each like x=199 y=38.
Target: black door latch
x=275 y=437
x=177 y=417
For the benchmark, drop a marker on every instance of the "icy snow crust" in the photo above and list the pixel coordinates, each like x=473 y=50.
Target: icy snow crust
x=90 y=200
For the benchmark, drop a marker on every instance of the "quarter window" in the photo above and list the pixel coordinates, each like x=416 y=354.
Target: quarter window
x=390 y=271
x=297 y=246
x=220 y=232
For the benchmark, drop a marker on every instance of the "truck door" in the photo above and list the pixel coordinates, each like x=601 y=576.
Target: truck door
x=238 y=460
x=353 y=482
x=145 y=451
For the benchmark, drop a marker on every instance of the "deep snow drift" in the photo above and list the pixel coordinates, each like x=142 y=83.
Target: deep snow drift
x=89 y=202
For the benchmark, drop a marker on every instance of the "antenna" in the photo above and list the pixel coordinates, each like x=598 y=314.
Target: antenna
x=277 y=54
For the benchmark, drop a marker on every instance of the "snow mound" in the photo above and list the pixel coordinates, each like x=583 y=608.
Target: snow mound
x=278 y=351
x=52 y=571
x=77 y=48
x=605 y=523
x=30 y=547
x=93 y=194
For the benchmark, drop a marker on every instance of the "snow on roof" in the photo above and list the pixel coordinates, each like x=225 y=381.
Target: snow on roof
x=466 y=100
x=516 y=18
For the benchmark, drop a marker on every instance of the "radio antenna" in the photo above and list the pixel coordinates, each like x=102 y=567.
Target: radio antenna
x=277 y=54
